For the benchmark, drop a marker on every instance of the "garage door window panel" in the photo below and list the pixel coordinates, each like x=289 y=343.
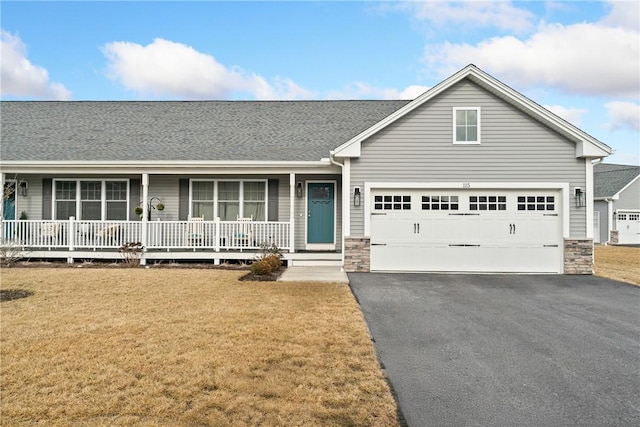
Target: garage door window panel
x=487 y=203
x=440 y=203
x=392 y=202
x=536 y=203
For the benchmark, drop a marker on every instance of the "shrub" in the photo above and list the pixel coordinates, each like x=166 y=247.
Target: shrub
x=261 y=267
x=274 y=262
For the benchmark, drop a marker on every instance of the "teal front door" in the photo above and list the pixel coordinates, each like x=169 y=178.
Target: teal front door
x=321 y=213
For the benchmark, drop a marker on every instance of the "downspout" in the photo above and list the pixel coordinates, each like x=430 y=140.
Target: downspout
x=345 y=186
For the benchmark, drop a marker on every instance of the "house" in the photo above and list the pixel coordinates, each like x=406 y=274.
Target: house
x=616 y=204
x=470 y=176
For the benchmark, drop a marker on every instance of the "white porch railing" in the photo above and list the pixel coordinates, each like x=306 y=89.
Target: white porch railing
x=213 y=235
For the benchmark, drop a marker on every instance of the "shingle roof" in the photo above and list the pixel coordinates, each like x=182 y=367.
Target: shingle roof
x=609 y=179
x=191 y=130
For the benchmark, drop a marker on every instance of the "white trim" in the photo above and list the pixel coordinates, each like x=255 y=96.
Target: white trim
x=593 y=147
x=455 y=127
x=320 y=246
x=168 y=167
x=563 y=187
x=292 y=212
x=346 y=200
x=609 y=219
x=589 y=202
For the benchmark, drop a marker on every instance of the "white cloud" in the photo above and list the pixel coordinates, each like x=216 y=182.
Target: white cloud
x=502 y=15
x=572 y=115
x=623 y=115
x=583 y=58
x=359 y=90
x=166 y=68
x=624 y=14
x=20 y=77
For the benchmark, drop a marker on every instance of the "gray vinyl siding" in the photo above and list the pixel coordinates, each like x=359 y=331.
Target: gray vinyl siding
x=601 y=206
x=515 y=148
x=32 y=204
x=629 y=197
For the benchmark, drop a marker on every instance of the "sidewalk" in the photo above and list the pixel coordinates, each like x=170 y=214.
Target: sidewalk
x=314 y=274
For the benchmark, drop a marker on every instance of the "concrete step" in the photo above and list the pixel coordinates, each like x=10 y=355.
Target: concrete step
x=315 y=262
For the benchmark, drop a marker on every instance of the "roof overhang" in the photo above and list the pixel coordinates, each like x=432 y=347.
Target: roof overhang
x=586 y=145
x=192 y=167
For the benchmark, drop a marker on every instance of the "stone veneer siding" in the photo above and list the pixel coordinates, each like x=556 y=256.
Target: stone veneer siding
x=578 y=256
x=357 y=254
x=614 y=237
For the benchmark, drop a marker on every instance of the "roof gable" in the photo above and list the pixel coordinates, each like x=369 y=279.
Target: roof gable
x=610 y=179
x=586 y=145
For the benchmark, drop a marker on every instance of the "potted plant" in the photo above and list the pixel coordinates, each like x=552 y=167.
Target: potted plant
x=138 y=210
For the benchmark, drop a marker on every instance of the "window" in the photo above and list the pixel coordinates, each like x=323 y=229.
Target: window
x=116 y=200
x=440 y=203
x=91 y=199
x=622 y=217
x=466 y=125
x=202 y=199
x=392 y=202
x=229 y=200
x=488 y=203
x=634 y=217
x=536 y=203
x=65 y=204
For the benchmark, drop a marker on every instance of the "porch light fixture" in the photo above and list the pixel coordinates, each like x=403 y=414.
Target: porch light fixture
x=299 y=190
x=579 y=194
x=357 y=196
x=23 y=186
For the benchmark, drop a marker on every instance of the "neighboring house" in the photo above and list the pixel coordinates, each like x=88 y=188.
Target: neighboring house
x=616 y=203
x=470 y=176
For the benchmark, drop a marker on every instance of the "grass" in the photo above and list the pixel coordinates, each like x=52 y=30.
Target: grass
x=618 y=263
x=161 y=347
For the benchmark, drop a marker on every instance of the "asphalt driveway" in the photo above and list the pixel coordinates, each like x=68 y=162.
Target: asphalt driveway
x=507 y=350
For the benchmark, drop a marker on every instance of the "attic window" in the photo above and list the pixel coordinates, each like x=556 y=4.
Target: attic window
x=466 y=125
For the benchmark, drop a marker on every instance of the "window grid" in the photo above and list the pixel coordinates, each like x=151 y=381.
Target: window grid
x=440 y=203
x=91 y=199
x=634 y=217
x=488 y=203
x=536 y=203
x=466 y=125
x=392 y=202
x=228 y=200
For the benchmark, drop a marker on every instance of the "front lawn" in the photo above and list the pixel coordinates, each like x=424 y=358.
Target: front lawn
x=161 y=347
x=620 y=263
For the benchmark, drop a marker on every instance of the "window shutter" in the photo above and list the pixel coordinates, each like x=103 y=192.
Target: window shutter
x=183 y=199
x=273 y=187
x=134 y=198
x=47 y=198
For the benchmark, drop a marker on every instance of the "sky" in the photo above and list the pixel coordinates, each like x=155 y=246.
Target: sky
x=579 y=59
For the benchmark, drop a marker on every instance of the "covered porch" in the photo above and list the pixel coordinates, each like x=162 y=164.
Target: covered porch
x=215 y=241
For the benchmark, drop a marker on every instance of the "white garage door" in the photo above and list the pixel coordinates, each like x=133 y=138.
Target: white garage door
x=470 y=231
x=628 y=225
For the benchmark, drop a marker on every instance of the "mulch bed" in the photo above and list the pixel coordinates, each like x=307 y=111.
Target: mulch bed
x=13 y=294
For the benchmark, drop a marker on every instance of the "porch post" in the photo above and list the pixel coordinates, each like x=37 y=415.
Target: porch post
x=292 y=212
x=145 y=213
x=2 y=204
x=71 y=238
